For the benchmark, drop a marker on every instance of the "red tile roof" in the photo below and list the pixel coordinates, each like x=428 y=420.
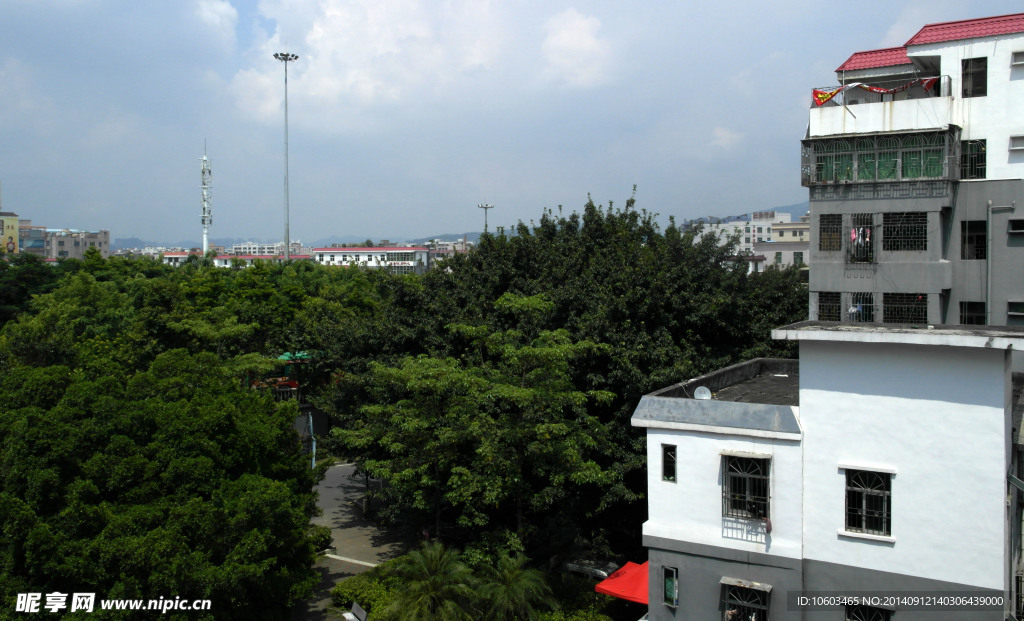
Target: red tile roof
x=888 y=57
x=969 y=29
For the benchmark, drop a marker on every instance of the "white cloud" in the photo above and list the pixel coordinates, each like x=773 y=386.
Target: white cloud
x=574 y=53
x=219 y=15
x=724 y=138
x=359 y=54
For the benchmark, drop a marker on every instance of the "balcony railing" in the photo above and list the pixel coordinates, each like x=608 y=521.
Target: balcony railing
x=854 y=93
x=873 y=158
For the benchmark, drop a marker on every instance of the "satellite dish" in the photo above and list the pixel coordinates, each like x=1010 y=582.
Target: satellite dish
x=702 y=393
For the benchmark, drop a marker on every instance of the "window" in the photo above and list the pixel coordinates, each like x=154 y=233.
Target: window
x=744 y=604
x=905 y=307
x=905 y=231
x=1015 y=308
x=830 y=228
x=974 y=77
x=972 y=313
x=972 y=159
x=778 y=258
x=1017 y=58
x=972 y=240
x=671 y=581
x=745 y=487
x=746 y=229
x=1016 y=143
x=781 y=233
x=1015 y=226
x=798 y=258
x=668 y=462
x=867 y=613
x=746 y=240
x=868 y=496
x=862 y=245
x=862 y=307
x=828 y=306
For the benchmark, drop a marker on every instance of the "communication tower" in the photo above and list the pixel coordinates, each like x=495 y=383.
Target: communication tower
x=207 y=218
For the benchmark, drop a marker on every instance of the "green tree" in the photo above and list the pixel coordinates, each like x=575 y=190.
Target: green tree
x=436 y=586
x=511 y=591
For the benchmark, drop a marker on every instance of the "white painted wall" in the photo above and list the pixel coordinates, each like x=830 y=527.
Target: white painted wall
x=996 y=116
x=690 y=509
x=936 y=415
x=886 y=116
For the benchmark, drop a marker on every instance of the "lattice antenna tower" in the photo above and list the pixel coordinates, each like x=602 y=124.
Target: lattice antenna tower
x=207 y=218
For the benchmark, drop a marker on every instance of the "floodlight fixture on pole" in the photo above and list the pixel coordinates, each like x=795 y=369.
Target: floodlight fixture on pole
x=485 y=207
x=286 y=57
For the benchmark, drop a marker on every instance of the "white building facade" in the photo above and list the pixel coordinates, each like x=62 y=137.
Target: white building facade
x=914 y=166
x=876 y=467
x=396 y=259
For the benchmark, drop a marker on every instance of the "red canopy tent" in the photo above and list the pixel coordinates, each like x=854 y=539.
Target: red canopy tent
x=628 y=582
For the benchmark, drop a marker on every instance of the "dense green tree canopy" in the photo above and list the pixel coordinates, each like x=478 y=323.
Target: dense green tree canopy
x=491 y=397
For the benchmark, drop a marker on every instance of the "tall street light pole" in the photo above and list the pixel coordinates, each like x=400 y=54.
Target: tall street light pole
x=286 y=57
x=485 y=208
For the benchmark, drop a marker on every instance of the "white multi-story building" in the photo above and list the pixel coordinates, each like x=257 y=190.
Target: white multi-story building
x=748 y=228
x=883 y=464
x=915 y=170
x=263 y=249
x=396 y=259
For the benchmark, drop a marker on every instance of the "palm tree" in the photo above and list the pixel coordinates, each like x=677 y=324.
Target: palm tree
x=435 y=586
x=510 y=590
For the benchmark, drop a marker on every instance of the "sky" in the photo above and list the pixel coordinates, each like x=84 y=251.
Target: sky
x=404 y=115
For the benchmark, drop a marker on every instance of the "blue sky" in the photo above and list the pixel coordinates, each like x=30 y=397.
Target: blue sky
x=405 y=114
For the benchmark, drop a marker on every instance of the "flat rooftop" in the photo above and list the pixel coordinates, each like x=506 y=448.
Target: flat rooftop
x=757 y=397
x=990 y=337
x=772 y=381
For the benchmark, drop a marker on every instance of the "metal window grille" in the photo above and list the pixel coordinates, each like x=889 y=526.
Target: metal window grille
x=972 y=159
x=905 y=307
x=862 y=307
x=974 y=77
x=868 y=500
x=1019 y=581
x=830 y=231
x=925 y=155
x=828 y=306
x=905 y=231
x=972 y=313
x=743 y=604
x=745 y=488
x=973 y=242
x=861 y=248
x=867 y=613
x=668 y=462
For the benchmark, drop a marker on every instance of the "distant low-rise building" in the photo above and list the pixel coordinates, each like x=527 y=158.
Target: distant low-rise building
x=61 y=243
x=396 y=259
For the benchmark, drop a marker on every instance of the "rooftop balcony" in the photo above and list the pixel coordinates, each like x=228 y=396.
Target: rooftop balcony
x=900 y=106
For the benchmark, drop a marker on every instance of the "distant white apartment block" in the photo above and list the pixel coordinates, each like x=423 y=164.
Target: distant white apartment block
x=395 y=259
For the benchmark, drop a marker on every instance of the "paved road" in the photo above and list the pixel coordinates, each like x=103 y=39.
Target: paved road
x=358 y=543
